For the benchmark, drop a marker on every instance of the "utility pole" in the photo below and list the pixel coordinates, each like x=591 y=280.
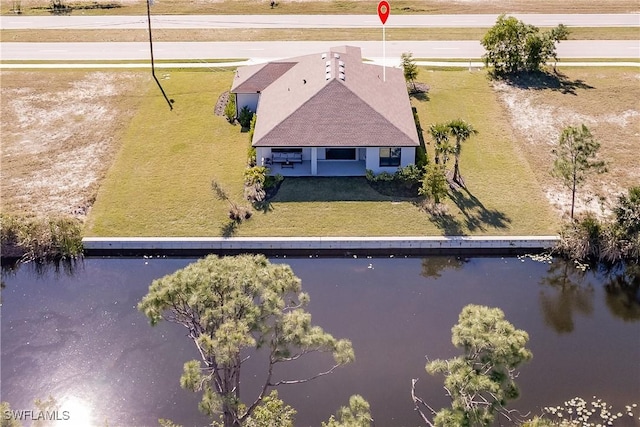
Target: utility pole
x=153 y=67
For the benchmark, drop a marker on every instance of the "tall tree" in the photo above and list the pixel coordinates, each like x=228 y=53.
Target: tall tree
x=410 y=68
x=513 y=47
x=575 y=159
x=440 y=134
x=462 y=131
x=230 y=305
x=357 y=414
x=482 y=380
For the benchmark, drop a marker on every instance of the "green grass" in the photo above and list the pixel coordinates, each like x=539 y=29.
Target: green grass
x=500 y=183
x=160 y=183
x=329 y=34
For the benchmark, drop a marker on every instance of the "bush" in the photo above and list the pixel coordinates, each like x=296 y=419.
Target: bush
x=239 y=213
x=254 y=179
x=273 y=181
x=230 y=109
x=245 y=117
x=409 y=175
x=404 y=182
x=434 y=183
x=614 y=239
x=252 y=156
x=40 y=238
x=252 y=127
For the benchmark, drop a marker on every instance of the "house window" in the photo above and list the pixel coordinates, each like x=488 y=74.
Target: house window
x=340 y=154
x=390 y=156
x=286 y=150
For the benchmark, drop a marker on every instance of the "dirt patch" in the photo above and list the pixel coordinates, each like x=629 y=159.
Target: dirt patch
x=607 y=103
x=221 y=104
x=60 y=132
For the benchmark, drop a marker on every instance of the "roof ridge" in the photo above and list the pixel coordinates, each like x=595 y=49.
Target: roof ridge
x=376 y=110
x=332 y=82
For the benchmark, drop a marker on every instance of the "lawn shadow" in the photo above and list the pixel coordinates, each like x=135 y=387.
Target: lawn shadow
x=418 y=90
x=477 y=216
x=328 y=189
x=420 y=96
x=449 y=225
x=264 y=206
x=229 y=229
x=554 y=81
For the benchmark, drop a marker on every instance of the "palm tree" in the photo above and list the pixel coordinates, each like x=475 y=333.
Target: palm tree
x=461 y=130
x=440 y=135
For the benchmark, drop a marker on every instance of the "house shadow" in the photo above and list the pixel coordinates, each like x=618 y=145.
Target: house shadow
x=554 y=81
x=328 y=189
x=476 y=216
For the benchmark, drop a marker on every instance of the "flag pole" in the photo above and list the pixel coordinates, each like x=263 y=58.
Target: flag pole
x=384 y=55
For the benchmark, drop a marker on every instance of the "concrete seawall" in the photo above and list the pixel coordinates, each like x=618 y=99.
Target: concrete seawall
x=431 y=245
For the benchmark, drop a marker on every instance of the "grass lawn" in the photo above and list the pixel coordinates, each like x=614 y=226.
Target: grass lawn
x=160 y=183
x=313 y=34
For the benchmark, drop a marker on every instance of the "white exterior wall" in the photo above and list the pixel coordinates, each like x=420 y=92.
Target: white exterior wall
x=247 y=99
x=407 y=157
x=262 y=153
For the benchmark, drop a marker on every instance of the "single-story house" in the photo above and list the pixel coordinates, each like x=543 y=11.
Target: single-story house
x=328 y=114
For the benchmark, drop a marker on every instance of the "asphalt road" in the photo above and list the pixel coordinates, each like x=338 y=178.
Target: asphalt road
x=572 y=49
x=310 y=21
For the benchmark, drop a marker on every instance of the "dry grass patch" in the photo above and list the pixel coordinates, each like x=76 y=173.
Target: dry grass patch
x=606 y=101
x=60 y=131
x=312 y=34
x=138 y=7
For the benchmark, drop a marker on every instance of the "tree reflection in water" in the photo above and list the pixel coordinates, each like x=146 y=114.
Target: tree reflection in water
x=623 y=291
x=432 y=267
x=569 y=293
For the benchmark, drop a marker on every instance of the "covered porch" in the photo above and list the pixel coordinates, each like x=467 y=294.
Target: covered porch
x=324 y=168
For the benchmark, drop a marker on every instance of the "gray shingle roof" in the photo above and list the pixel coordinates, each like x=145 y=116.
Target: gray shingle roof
x=306 y=107
x=255 y=78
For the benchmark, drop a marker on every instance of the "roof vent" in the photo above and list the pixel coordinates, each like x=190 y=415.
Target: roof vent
x=324 y=56
x=341 y=76
x=336 y=55
x=328 y=63
x=327 y=76
x=341 y=63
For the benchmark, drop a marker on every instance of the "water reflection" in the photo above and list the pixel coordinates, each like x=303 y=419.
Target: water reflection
x=433 y=267
x=623 y=291
x=74 y=332
x=566 y=292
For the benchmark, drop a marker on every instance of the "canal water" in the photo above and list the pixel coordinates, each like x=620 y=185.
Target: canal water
x=74 y=334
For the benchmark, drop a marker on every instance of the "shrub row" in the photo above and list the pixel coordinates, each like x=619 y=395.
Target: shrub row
x=40 y=238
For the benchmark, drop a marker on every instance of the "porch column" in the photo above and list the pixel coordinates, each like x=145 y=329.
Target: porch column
x=314 y=161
